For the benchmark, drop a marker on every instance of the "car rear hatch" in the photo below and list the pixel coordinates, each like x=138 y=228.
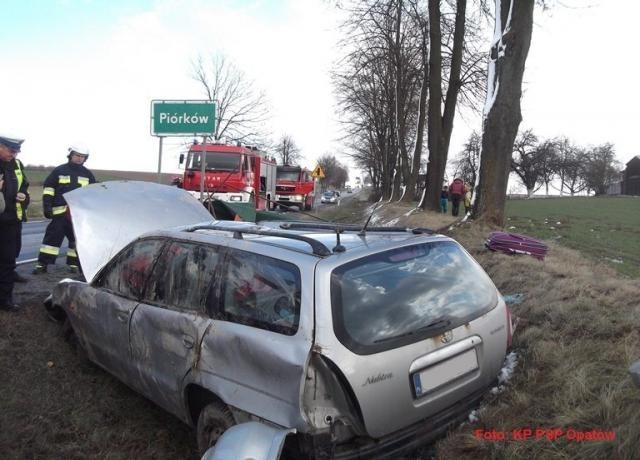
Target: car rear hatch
x=413 y=330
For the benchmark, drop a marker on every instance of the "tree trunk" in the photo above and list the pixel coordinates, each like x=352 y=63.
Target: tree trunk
x=502 y=116
x=453 y=87
x=441 y=125
x=410 y=192
x=412 y=180
x=436 y=166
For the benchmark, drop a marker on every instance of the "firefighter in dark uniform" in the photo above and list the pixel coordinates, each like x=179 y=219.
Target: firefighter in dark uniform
x=9 y=219
x=62 y=179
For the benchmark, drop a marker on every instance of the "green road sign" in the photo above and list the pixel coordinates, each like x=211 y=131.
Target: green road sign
x=183 y=118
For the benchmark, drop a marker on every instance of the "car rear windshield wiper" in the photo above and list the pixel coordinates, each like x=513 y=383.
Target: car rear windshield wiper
x=437 y=324
x=440 y=323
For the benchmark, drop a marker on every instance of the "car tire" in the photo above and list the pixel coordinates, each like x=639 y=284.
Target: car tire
x=214 y=419
x=72 y=339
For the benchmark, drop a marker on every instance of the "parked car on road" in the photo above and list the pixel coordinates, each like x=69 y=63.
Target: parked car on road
x=365 y=343
x=330 y=197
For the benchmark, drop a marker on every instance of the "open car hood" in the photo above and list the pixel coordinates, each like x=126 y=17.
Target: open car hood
x=109 y=215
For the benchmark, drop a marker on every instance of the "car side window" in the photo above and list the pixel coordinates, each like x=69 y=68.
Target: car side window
x=262 y=292
x=183 y=276
x=128 y=274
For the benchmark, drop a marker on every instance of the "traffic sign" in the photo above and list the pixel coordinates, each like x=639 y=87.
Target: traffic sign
x=183 y=118
x=318 y=173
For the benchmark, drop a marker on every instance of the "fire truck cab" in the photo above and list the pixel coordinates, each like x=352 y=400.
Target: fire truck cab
x=233 y=173
x=295 y=187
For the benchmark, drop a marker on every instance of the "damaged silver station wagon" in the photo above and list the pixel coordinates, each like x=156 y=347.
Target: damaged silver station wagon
x=340 y=342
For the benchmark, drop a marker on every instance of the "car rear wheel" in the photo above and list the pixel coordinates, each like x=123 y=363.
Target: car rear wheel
x=214 y=419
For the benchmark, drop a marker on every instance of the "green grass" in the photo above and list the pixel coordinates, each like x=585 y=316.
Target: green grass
x=604 y=229
x=37 y=176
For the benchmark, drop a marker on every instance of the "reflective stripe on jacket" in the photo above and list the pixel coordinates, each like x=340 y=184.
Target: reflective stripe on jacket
x=61 y=180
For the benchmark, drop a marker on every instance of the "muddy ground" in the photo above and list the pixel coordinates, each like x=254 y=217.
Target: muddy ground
x=54 y=405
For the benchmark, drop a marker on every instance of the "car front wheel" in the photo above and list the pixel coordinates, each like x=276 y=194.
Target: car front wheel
x=214 y=419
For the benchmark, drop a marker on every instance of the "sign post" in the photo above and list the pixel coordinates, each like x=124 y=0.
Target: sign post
x=181 y=118
x=318 y=173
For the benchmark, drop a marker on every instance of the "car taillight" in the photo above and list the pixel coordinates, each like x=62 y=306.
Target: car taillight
x=509 y=328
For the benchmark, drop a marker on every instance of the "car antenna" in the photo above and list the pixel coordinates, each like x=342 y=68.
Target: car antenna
x=338 y=247
x=363 y=232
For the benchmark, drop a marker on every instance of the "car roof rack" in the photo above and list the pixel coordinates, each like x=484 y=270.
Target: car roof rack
x=317 y=247
x=351 y=227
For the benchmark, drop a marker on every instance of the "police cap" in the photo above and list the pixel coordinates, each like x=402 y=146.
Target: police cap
x=11 y=142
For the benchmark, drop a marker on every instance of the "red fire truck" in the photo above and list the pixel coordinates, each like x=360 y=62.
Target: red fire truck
x=295 y=187
x=233 y=173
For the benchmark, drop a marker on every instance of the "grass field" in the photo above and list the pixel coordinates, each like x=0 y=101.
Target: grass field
x=604 y=229
x=36 y=177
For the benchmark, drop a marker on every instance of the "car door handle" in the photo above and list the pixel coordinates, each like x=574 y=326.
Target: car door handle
x=187 y=341
x=122 y=315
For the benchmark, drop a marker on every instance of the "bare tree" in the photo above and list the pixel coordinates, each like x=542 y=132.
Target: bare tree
x=335 y=173
x=439 y=125
x=467 y=162
x=502 y=116
x=569 y=166
x=385 y=81
x=287 y=151
x=547 y=154
x=525 y=161
x=241 y=110
x=601 y=168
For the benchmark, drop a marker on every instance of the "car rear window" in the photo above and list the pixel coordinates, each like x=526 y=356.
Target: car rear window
x=404 y=295
x=261 y=292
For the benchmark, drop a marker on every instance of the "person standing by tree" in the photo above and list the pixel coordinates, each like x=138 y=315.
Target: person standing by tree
x=456 y=192
x=444 y=199
x=64 y=178
x=9 y=220
x=467 y=198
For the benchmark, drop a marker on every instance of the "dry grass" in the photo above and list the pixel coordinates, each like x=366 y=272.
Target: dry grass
x=577 y=336
x=53 y=405
x=578 y=333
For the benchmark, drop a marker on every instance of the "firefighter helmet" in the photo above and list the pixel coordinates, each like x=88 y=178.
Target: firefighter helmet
x=78 y=149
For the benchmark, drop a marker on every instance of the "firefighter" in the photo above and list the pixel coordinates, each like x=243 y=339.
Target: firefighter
x=64 y=178
x=9 y=219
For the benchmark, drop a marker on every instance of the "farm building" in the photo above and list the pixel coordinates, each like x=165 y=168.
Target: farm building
x=631 y=177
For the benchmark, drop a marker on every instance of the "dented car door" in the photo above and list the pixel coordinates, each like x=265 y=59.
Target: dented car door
x=168 y=326
x=254 y=357
x=108 y=305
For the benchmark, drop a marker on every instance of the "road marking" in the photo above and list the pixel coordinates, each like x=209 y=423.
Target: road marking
x=28 y=261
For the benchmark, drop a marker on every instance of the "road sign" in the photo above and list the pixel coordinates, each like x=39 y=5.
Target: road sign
x=318 y=172
x=183 y=118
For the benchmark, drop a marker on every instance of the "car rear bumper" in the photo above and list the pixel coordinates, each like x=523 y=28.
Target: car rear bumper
x=410 y=438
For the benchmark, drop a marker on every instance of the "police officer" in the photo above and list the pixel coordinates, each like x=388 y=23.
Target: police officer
x=22 y=202
x=64 y=178
x=9 y=220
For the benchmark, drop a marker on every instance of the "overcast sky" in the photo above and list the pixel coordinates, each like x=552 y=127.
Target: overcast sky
x=86 y=71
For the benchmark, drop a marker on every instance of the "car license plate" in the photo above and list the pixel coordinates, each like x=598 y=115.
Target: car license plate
x=439 y=374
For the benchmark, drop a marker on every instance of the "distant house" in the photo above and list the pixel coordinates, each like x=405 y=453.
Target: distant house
x=631 y=177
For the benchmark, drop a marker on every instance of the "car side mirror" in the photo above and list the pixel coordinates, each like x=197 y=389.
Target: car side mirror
x=181 y=158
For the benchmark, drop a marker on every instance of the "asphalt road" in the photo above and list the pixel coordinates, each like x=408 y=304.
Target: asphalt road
x=32 y=233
